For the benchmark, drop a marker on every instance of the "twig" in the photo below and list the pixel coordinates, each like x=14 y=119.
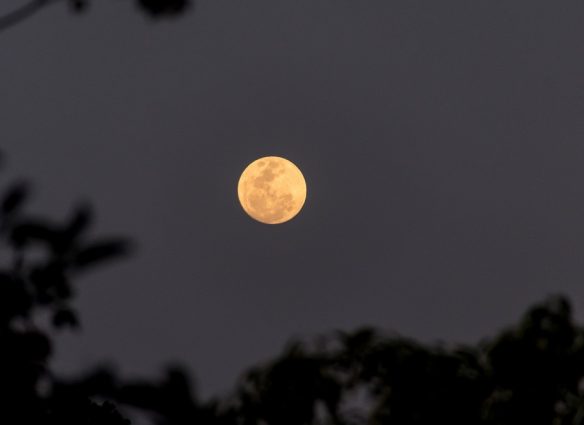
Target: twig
x=22 y=13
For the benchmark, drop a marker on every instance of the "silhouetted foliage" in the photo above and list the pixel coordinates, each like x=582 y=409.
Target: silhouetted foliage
x=39 y=260
x=164 y=7
x=532 y=373
x=156 y=9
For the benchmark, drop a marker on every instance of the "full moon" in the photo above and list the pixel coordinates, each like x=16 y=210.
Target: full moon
x=272 y=190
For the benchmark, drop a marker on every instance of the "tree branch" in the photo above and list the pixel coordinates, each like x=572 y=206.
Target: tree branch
x=22 y=13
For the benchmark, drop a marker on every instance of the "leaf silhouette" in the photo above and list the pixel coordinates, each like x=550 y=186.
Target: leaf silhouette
x=101 y=251
x=159 y=8
x=14 y=198
x=34 y=231
x=79 y=222
x=65 y=317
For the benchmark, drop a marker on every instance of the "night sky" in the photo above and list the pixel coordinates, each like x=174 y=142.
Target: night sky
x=442 y=143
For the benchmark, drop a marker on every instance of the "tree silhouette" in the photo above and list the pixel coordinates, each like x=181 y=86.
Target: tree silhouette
x=155 y=8
x=532 y=373
x=39 y=260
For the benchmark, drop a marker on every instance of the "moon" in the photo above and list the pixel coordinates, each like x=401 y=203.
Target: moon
x=272 y=190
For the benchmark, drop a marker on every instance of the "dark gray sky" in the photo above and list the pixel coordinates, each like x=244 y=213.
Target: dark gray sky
x=442 y=143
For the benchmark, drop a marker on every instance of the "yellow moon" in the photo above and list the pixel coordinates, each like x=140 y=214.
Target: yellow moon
x=272 y=190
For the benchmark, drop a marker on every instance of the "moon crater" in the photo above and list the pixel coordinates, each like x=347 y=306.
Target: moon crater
x=272 y=190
